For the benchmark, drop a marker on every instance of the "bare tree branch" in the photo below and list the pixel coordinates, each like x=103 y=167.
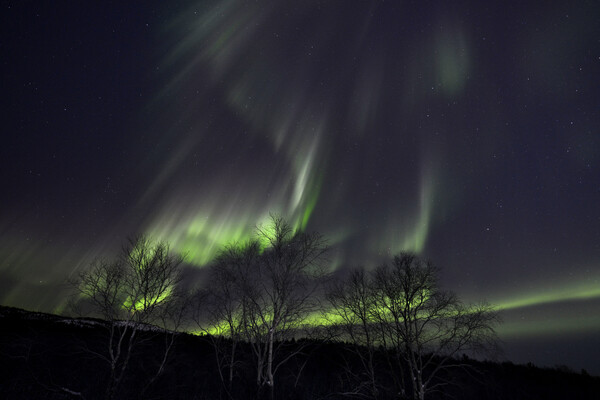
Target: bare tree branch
x=137 y=289
x=401 y=307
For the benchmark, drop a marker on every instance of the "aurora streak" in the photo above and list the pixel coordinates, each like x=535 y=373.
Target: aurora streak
x=467 y=133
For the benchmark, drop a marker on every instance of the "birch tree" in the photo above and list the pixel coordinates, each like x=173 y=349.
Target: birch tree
x=130 y=293
x=350 y=317
x=401 y=307
x=270 y=285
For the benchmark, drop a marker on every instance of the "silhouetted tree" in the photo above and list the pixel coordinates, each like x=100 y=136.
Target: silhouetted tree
x=137 y=289
x=401 y=307
x=225 y=305
x=266 y=290
x=350 y=318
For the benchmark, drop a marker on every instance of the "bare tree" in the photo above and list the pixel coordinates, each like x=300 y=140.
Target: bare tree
x=137 y=289
x=401 y=307
x=268 y=286
x=350 y=317
x=222 y=318
x=427 y=325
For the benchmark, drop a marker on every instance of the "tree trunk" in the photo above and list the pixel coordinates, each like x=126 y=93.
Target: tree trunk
x=270 y=377
x=231 y=364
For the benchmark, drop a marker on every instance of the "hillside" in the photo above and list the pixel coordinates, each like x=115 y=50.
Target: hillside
x=44 y=356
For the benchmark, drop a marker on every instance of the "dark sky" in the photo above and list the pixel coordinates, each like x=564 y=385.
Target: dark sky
x=466 y=131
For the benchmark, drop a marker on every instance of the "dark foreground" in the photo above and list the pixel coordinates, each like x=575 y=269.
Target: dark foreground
x=50 y=357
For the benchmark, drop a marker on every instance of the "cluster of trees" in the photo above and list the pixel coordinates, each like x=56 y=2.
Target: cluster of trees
x=400 y=307
x=262 y=292
x=267 y=293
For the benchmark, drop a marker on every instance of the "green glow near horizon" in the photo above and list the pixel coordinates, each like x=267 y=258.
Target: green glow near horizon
x=532 y=323
x=574 y=291
x=556 y=325
x=200 y=235
x=549 y=327
x=201 y=239
x=143 y=303
x=531 y=326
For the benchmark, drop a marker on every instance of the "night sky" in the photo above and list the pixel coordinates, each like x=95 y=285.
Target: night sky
x=466 y=131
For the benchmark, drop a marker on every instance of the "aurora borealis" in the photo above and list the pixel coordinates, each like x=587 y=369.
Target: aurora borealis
x=465 y=131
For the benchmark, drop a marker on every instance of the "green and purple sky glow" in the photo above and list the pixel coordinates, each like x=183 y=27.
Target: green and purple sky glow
x=466 y=131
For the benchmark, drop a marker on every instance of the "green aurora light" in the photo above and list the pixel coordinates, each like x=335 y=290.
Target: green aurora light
x=588 y=290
